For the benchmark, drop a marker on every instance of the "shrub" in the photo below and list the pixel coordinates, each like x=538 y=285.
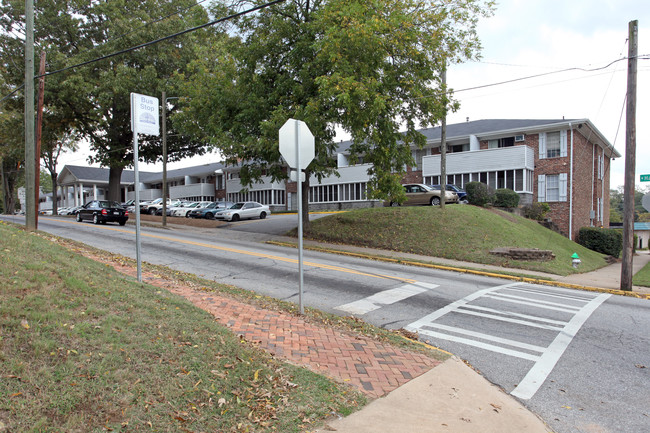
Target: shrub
x=606 y=241
x=479 y=194
x=536 y=211
x=504 y=197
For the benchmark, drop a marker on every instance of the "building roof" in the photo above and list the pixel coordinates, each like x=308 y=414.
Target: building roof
x=100 y=174
x=495 y=128
x=642 y=226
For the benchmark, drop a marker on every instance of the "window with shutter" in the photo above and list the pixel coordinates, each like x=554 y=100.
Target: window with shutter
x=554 y=145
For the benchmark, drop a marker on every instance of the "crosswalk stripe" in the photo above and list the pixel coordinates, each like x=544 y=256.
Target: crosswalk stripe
x=386 y=297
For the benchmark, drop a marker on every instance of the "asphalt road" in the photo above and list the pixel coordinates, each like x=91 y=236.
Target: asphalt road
x=580 y=360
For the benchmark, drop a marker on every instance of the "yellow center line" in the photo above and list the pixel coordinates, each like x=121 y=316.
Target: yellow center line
x=248 y=253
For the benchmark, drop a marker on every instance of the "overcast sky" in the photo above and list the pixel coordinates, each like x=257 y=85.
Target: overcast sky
x=531 y=37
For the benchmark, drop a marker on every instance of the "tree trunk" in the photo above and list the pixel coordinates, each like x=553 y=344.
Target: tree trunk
x=114 y=183
x=55 y=197
x=8 y=182
x=305 y=202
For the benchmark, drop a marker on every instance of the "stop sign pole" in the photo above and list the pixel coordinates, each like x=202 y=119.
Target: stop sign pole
x=297 y=148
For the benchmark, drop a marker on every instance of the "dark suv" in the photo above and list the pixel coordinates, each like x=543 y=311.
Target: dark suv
x=462 y=195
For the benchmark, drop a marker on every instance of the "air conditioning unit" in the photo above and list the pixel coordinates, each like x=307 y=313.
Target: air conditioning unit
x=520 y=137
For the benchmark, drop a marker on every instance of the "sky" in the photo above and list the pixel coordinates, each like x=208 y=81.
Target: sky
x=530 y=37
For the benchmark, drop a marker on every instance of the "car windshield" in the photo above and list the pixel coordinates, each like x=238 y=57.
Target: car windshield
x=237 y=206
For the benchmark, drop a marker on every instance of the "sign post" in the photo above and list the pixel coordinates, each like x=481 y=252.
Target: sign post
x=297 y=148
x=144 y=119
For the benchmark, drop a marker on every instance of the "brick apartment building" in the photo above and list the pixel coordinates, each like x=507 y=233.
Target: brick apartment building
x=565 y=163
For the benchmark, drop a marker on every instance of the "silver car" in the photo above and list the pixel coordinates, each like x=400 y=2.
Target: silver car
x=244 y=210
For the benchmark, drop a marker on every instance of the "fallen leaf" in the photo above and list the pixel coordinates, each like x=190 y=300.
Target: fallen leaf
x=639 y=365
x=24 y=324
x=221 y=401
x=566 y=407
x=496 y=407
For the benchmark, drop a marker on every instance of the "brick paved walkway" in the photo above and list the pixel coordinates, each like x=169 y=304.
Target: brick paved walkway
x=374 y=368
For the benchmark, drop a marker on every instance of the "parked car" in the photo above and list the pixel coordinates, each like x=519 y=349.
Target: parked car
x=170 y=205
x=244 y=210
x=209 y=211
x=462 y=194
x=419 y=194
x=184 y=211
x=103 y=211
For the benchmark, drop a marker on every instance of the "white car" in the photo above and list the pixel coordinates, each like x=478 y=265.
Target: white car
x=185 y=211
x=244 y=210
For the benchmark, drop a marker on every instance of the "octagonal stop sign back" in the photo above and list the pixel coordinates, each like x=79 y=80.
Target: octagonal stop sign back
x=295 y=137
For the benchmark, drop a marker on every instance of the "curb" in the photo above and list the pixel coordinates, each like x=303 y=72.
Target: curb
x=469 y=271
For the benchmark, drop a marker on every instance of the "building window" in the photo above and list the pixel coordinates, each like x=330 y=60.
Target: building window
x=553 y=188
x=553 y=144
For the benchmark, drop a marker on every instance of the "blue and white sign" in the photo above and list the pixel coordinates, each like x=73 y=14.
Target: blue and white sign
x=144 y=114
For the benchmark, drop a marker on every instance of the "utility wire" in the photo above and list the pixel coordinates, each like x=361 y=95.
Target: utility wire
x=146 y=44
x=165 y=38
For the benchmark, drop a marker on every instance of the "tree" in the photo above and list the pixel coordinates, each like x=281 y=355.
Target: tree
x=51 y=149
x=368 y=67
x=95 y=99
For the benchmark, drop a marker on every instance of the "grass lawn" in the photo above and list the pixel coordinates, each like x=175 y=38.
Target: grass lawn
x=84 y=348
x=642 y=278
x=460 y=232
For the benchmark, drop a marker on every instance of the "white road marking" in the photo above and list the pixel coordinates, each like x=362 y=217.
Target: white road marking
x=540 y=371
x=386 y=297
x=548 y=356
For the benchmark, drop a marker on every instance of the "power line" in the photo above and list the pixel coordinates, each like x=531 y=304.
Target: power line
x=146 y=44
x=165 y=38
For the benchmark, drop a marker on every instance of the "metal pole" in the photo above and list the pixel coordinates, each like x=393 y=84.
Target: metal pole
x=164 y=150
x=443 y=142
x=136 y=181
x=299 y=176
x=630 y=159
x=31 y=207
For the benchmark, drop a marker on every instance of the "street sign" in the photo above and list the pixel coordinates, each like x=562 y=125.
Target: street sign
x=296 y=139
x=645 y=178
x=144 y=114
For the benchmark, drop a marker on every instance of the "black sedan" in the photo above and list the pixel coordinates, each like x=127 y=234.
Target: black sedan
x=103 y=211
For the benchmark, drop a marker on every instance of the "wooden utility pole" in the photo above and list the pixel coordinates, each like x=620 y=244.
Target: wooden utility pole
x=39 y=131
x=443 y=142
x=31 y=207
x=630 y=159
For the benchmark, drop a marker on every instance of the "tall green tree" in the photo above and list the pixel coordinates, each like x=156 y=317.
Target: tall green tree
x=369 y=67
x=95 y=98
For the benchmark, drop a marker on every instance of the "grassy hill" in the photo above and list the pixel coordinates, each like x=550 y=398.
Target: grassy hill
x=84 y=348
x=465 y=233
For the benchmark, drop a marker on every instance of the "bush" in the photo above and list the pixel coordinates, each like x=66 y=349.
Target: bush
x=479 y=194
x=504 y=197
x=536 y=211
x=606 y=241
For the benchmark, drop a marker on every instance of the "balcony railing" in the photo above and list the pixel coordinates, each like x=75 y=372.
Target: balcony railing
x=505 y=158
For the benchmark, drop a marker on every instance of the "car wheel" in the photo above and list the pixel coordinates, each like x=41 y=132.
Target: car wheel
x=394 y=204
x=95 y=219
x=187 y=214
x=235 y=217
x=78 y=217
x=152 y=211
x=263 y=215
x=435 y=201
x=209 y=216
